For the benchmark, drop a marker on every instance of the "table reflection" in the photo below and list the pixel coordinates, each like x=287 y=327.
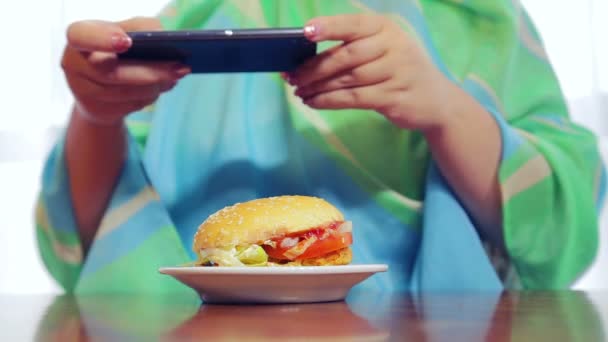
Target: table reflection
x=510 y=316
x=310 y=322
x=550 y=316
x=113 y=317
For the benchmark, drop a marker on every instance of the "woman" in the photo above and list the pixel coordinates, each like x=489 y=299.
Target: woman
x=438 y=127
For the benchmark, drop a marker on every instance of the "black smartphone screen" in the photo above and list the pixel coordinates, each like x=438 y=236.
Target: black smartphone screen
x=225 y=51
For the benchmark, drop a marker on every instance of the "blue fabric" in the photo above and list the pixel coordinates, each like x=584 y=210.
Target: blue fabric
x=451 y=256
x=222 y=152
x=56 y=193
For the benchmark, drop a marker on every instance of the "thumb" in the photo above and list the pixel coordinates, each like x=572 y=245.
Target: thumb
x=95 y=35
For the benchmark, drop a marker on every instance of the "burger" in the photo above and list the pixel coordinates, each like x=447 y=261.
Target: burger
x=275 y=231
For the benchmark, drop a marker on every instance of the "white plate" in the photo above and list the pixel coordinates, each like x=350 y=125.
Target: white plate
x=308 y=284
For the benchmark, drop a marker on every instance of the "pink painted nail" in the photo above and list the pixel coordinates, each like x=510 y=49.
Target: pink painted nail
x=285 y=76
x=311 y=31
x=181 y=70
x=121 y=43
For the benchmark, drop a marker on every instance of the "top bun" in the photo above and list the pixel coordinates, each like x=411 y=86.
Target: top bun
x=262 y=219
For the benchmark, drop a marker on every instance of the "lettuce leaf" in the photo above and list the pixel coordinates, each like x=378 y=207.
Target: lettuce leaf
x=252 y=255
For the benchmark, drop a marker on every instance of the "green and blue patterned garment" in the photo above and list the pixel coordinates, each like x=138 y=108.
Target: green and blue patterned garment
x=219 y=139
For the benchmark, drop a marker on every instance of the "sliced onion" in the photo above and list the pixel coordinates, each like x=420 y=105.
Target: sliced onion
x=300 y=248
x=345 y=227
x=270 y=243
x=289 y=242
x=326 y=234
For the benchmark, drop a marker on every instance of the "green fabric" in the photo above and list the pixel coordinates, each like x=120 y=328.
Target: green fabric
x=114 y=277
x=60 y=250
x=66 y=273
x=551 y=227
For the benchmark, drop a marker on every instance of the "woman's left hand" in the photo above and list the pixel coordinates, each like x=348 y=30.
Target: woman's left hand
x=378 y=66
x=381 y=67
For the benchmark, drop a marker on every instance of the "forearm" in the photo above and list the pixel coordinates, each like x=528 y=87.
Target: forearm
x=94 y=158
x=467 y=149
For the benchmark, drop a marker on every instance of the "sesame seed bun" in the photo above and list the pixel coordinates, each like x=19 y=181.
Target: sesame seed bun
x=259 y=220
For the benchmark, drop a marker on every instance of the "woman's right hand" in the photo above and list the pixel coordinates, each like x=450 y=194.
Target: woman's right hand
x=106 y=89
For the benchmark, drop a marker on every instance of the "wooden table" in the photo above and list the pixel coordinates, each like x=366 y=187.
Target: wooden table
x=510 y=316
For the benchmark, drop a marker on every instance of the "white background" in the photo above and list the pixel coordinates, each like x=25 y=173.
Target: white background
x=35 y=103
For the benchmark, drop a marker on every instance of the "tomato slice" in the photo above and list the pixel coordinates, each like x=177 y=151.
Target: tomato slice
x=275 y=253
x=326 y=240
x=330 y=244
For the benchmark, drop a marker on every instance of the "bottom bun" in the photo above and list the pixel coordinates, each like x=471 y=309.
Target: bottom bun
x=340 y=257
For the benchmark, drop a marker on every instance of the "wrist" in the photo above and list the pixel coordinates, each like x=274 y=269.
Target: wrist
x=80 y=123
x=83 y=135
x=453 y=113
x=446 y=116
x=96 y=120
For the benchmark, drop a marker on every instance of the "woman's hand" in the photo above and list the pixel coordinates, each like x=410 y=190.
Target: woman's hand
x=378 y=66
x=106 y=89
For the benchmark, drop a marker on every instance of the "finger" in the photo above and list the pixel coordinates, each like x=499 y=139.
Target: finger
x=95 y=35
x=131 y=72
x=368 y=97
x=339 y=59
x=114 y=111
x=346 y=28
x=105 y=68
x=368 y=74
x=87 y=89
x=141 y=74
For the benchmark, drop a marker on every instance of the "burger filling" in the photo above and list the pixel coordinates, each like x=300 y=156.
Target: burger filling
x=310 y=244
x=252 y=255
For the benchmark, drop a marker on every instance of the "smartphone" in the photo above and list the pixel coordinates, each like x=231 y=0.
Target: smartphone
x=225 y=51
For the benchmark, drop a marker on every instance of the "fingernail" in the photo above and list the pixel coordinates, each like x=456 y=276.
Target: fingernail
x=121 y=43
x=288 y=78
x=311 y=31
x=181 y=70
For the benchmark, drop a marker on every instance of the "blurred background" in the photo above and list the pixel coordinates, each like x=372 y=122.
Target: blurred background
x=36 y=103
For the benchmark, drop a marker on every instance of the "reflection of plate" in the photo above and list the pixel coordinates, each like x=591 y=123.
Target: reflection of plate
x=273 y=284
x=282 y=322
